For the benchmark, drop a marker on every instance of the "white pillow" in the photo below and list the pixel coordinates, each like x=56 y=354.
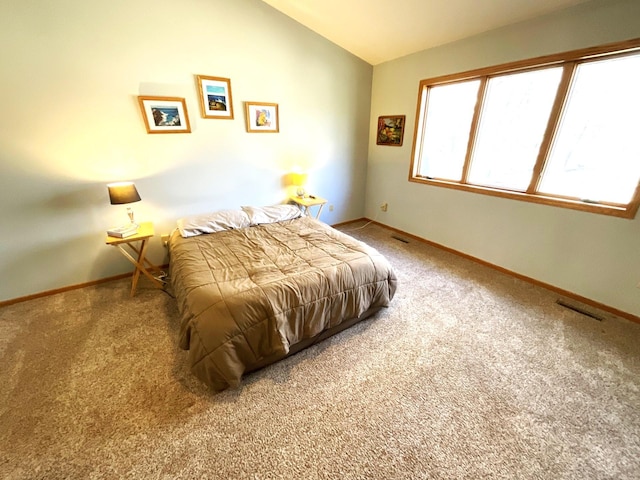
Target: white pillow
x=272 y=214
x=212 y=222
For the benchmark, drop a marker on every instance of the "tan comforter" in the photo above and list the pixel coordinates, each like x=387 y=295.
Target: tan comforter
x=249 y=295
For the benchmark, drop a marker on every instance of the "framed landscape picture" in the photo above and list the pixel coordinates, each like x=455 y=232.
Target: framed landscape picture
x=164 y=114
x=390 y=130
x=215 y=97
x=261 y=117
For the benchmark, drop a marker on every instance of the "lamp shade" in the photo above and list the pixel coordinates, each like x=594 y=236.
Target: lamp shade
x=123 y=192
x=298 y=179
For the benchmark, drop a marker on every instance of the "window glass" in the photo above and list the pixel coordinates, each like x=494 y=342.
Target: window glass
x=596 y=152
x=449 y=113
x=512 y=125
x=563 y=130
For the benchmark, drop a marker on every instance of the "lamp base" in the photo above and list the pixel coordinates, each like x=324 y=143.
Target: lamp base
x=131 y=222
x=300 y=192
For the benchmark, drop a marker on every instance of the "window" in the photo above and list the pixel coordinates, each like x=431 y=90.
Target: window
x=561 y=130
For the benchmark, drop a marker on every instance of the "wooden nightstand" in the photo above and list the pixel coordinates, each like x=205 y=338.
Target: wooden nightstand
x=145 y=232
x=309 y=201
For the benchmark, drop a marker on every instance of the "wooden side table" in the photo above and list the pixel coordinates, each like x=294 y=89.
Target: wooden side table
x=308 y=201
x=145 y=232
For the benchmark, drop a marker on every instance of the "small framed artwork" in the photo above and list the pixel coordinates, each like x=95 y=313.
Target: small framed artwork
x=165 y=114
x=390 y=130
x=215 y=97
x=262 y=117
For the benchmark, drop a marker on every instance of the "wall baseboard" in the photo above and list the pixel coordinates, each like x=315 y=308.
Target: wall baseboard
x=560 y=291
x=26 y=298
x=46 y=293
x=363 y=219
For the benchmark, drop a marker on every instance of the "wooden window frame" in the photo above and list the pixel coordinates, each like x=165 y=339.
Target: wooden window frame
x=569 y=62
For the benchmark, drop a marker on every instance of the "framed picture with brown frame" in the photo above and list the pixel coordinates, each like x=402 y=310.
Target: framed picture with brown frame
x=390 y=130
x=262 y=117
x=164 y=114
x=215 y=97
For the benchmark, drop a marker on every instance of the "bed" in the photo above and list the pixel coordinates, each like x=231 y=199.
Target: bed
x=257 y=284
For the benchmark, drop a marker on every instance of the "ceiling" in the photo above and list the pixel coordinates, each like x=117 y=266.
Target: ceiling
x=382 y=30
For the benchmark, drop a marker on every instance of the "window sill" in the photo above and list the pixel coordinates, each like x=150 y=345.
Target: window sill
x=621 y=211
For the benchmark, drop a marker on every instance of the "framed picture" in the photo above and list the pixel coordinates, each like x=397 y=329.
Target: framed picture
x=164 y=114
x=390 y=130
x=215 y=97
x=261 y=117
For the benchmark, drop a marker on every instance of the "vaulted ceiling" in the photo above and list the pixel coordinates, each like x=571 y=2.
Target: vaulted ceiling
x=382 y=30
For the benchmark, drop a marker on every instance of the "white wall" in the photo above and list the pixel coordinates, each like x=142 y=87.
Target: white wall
x=594 y=256
x=70 y=123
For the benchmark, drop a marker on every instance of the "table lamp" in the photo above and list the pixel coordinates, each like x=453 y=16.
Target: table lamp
x=121 y=193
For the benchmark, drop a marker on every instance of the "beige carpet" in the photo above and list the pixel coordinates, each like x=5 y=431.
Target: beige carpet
x=469 y=374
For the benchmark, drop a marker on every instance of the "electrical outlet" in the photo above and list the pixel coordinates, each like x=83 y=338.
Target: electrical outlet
x=331 y=208
x=384 y=206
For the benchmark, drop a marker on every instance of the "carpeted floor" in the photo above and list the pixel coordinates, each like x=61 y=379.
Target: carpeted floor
x=468 y=374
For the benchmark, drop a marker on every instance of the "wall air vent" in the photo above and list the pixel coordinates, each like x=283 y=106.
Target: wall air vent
x=579 y=310
x=400 y=239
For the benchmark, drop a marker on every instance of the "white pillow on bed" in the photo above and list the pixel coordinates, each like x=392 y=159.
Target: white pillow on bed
x=212 y=222
x=272 y=214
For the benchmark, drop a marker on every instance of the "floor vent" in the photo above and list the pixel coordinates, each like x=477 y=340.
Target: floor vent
x=400 y=239
x=579 y=310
